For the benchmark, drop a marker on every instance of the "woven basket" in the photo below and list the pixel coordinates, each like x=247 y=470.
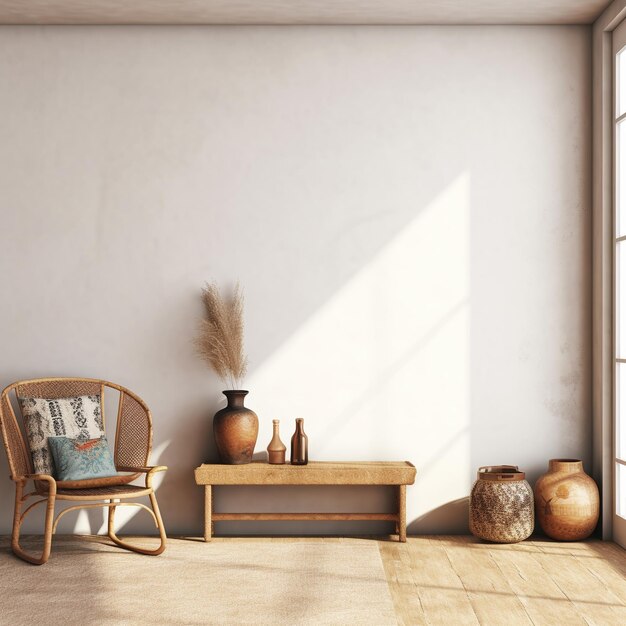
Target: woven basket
x=501 y=505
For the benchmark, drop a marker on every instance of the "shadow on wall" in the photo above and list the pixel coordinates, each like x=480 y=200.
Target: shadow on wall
x=449 y=519
x=178 y=476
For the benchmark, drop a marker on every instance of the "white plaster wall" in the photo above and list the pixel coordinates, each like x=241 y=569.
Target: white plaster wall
x=407 y=209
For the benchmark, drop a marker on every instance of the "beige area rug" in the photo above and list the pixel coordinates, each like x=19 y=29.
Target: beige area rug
x=227 y=581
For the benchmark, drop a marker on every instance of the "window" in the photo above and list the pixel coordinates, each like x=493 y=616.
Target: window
x=619 y=273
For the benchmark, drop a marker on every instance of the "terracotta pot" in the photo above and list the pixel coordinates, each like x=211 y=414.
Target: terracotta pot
x=568 y=502
x=501 y=505
x=235 y=429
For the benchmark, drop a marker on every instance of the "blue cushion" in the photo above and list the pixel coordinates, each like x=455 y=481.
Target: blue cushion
x=80 y=459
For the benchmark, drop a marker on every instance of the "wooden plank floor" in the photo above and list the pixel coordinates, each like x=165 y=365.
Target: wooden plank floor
x=458 y=580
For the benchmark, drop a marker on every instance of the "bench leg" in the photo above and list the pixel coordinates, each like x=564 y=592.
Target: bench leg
x=208 y=512
x=402 y=513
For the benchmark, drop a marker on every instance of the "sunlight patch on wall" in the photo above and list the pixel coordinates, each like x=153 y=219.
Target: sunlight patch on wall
x=82 y=525
x=381 y=371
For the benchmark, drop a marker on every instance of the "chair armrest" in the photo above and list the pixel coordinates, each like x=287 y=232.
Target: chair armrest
x=149 y=471
x=52 y=483
x=143 y=470
x=25 y=477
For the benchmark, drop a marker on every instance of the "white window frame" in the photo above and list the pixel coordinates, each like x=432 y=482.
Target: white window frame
x=605 y=242
x=618 y=46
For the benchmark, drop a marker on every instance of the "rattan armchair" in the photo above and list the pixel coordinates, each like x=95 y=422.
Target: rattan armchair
x=133 y=444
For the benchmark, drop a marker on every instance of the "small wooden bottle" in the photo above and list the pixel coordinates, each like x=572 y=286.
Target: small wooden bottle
x=277 y=449
x=299 y=445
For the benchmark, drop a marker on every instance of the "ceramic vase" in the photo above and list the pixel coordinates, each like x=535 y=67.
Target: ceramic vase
x=501 y=505
x=235 y=429
x=277 y=449
x=567 y=500
x=299 y=445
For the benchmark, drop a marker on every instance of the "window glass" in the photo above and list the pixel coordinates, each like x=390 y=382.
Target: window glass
x=620 y=426
x=621 y=82
x=620 y=300
x=620 y=183
x=620 y=492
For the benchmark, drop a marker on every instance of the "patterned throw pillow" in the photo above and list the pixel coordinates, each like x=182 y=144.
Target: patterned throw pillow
x=80 y=459
x=77 y=418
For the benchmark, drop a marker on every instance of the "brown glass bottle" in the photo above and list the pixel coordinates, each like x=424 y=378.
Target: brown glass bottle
x=299 y=445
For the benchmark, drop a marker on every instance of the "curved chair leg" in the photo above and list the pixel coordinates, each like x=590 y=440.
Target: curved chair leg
x=123 y=544
x=17 y=523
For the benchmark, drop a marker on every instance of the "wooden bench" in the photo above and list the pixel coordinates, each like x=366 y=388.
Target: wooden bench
x=396 y=474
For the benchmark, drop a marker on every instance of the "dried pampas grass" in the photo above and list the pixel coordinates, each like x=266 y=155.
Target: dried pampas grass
x=220 y=341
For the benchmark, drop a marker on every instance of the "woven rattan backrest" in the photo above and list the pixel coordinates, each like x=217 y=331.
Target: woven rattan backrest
x=133 y=439
x=18 y=457
x=58 y=388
